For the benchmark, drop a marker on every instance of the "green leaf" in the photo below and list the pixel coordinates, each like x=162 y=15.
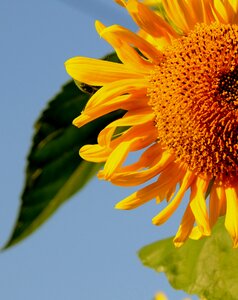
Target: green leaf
x=207 y=268
x=55 y=170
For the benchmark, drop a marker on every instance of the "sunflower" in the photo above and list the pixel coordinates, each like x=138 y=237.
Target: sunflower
x=178 y=83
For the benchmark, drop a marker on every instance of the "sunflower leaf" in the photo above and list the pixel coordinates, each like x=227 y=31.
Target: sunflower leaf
x=207 y=268
x=55 y=170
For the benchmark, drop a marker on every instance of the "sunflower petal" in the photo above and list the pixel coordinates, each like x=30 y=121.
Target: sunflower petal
x=149 y=20
x=231 y=219
x=198 y=205
x=105 y=136
x=136 y=178
x=116 y=158
x=145 y=47
x=185 y=227
x=173 y=205
x=94 y=153
x=97 y=72
x=125 y=52
x=139 y=197
x=217 y=202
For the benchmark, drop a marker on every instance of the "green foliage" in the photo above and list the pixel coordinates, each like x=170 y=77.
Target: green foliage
x=208 y=267
x=55 y=170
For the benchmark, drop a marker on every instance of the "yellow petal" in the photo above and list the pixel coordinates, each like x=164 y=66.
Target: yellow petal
x=114 y=89
x=145 y=47
x=128 y=120
x=97 y=72
x=168 y=180
x=198 y=204
x=219 y=5
x=220 y=12
x=217 y=202
x=125 y=145
x=233 y=3
x=90 y=114
x=139 y=197
x=136 y=177
x=94 y=153
x=125 y=52
x=116 y=158
x=231 y=7
x=185 y=227
x=195 y=234
x=149 y=20
x=145 y=160
x=176 y=14
x=173 y=205
x=159 y=43
x=109 y=98
x=231 y=219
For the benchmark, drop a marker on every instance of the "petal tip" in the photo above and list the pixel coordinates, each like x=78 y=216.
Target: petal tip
x=124 y=205
x=156 y=221
x=178 y=244
x=121 y=2
x=235 y=243
x=99 y=27
x=119 y=205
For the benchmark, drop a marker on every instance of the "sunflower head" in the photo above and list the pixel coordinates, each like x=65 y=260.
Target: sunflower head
x=178 y=83
x=196 y=84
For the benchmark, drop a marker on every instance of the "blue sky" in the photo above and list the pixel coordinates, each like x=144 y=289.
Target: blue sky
x=87 y=250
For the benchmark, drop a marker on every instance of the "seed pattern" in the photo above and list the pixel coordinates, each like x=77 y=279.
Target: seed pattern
x=194 y=94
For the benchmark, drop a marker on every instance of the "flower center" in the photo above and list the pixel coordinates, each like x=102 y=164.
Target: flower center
x=228 y=87
x=194 y=95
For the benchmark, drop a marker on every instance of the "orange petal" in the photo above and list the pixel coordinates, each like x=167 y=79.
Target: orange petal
x=176 y=14
x=149 y=20
x=225 y=11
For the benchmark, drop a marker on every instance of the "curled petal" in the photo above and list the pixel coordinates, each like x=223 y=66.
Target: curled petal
x=123 y=34
x=135 y=178
x=125 y=52
x=94 y=153
x=132 y=119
